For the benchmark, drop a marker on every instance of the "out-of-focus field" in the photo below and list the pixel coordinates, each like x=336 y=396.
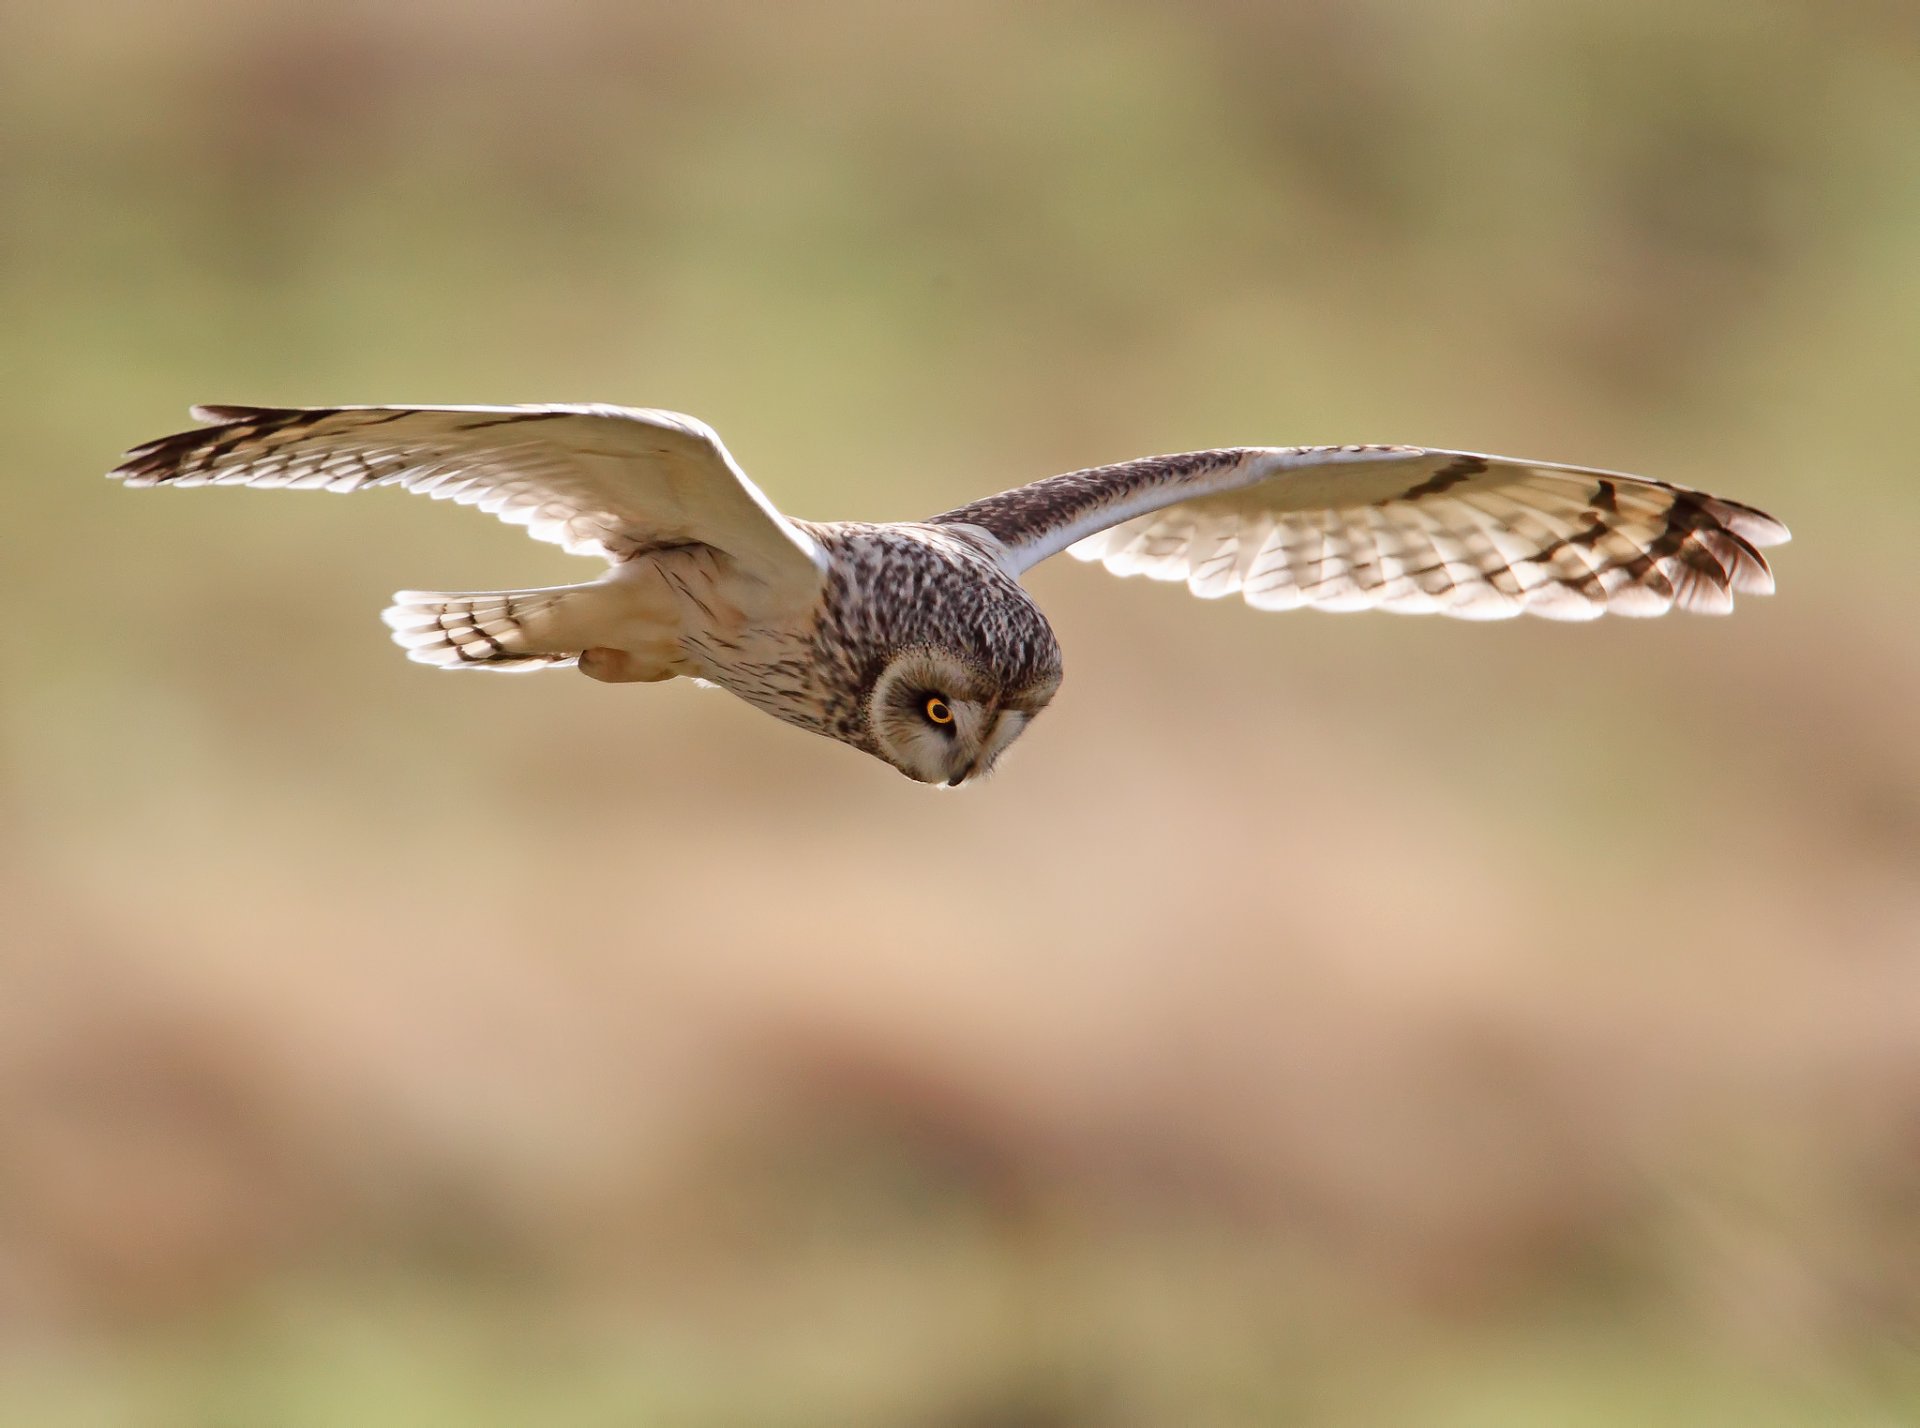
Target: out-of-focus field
x=1320 y=1020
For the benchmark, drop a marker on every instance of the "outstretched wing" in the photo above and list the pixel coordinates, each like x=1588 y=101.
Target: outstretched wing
x=597 y=480
x=1395 y=528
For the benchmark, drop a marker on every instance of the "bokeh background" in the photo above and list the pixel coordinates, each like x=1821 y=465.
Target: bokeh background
x=1320 y=1020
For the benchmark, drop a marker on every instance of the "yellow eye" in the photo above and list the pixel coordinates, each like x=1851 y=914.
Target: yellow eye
x=937 y=710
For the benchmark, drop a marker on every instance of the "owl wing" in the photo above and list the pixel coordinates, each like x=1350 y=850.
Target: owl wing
x=596 y=480
x=1397 y=528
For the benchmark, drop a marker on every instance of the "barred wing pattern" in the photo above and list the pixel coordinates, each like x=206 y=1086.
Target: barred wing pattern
x=1396 y=528
x=596 y=480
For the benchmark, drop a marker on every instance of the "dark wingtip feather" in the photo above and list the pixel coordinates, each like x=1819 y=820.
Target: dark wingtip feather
x=157 y=461
x=168 y=458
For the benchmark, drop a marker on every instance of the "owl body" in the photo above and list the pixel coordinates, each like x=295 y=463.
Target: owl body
x=930 y=603
x=915 y=642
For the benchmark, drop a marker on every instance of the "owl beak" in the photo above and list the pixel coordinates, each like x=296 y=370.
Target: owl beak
x=958 y=778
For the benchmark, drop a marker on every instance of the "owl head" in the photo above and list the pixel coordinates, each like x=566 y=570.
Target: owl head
x=940 y=717
x=934 y=658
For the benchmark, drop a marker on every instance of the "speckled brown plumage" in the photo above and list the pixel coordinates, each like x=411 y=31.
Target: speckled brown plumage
x=915 y=642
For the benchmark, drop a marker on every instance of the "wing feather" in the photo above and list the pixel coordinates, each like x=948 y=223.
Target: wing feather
x=1398 y=528
x=596 y=480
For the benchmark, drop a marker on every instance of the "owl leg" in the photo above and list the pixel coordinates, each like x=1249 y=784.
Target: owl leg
x=612 y=666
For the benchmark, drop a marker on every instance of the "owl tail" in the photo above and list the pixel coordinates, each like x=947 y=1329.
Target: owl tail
x=489 y=629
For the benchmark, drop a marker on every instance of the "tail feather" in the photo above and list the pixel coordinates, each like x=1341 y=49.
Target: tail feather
x=508 y=630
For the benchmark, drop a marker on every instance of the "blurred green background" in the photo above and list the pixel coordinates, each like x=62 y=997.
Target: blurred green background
x=1320 y=1020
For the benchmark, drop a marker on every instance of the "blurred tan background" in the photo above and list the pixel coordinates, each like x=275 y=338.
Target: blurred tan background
x=1320 y=1020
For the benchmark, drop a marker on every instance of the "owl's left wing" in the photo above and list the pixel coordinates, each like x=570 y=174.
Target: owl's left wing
x=593 y=479
x=1398 y=528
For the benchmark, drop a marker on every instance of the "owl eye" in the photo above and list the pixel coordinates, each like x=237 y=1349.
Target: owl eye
x=937 y=710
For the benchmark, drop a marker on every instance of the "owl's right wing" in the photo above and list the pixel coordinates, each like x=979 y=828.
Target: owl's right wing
x=596 y=480
x=1399 y=528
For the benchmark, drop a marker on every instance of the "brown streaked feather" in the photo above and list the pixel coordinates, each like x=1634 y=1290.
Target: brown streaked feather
x=1394 y=528
x=1014 y=516
x=609 y=481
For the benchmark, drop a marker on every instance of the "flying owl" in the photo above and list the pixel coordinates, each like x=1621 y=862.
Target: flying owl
x=914 y=641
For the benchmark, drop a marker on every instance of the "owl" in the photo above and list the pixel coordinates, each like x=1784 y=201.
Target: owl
x=914 y=641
